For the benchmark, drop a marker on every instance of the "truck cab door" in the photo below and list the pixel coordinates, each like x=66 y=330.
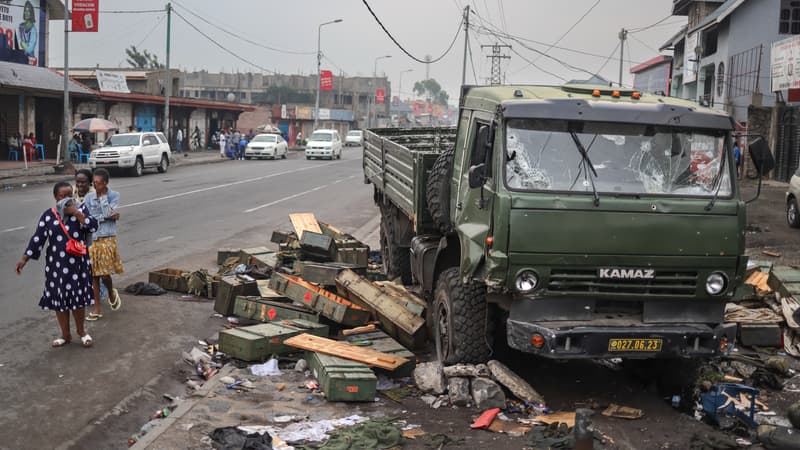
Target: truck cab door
x=473 y=202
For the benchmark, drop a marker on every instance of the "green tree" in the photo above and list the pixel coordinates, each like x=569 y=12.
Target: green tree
x=432 y=90
x=142 y=59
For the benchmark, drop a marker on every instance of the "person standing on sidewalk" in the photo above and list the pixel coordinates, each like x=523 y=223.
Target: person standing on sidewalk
x=103 y=204
x=67 y=275
x=223 y=138
x=179 y=140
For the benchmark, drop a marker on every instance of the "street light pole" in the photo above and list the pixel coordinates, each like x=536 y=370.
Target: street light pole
x=319 y=64
x=400 y=83
x=372 y=90
x=64 y=148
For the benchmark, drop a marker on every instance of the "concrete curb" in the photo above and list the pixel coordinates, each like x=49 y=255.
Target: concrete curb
x=23 y=181
x=180 y=411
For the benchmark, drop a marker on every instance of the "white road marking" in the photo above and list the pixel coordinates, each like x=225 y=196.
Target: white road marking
x=210 y=188
x=165 y=238
x=287 y=198
x=8 y=230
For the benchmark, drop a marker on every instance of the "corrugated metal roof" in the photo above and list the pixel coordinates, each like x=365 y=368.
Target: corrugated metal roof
x=677 y=37
x=174 y=101
x=33 y=78
x=719 y=14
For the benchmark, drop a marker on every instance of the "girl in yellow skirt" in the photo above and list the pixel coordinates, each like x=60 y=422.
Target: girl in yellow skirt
x=103 y=204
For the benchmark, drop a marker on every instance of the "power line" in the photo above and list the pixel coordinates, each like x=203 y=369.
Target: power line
x=570 y=29
x=242 y=38
x=643 y=43
x=423 y=61
x=223 y=48
x=502 y=15
x=472 y=63
x=613 y=52
x=158 y=22
x=637 y=30
x=131 y=11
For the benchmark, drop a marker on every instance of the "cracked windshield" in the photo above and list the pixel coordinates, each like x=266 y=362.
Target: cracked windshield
x=542 y=155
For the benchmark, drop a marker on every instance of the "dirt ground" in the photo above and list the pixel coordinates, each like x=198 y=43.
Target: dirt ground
x=564 y=384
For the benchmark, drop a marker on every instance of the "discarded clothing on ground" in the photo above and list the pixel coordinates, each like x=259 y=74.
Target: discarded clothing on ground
x=370 y=434
x=142 y=288
x=232 y=438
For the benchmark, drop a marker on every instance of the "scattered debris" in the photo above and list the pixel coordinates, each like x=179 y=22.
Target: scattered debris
x=514 y=383
x=458 y=390
x=623 y=412
x=487 y=394
x=269 y=368
x=429 y=377
x=467 y=370
x=485 y=419
x=771 y=253
x=565 y=417
x=330 y=347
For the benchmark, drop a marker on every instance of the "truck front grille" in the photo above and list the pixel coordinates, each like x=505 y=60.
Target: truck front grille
x=587 y=281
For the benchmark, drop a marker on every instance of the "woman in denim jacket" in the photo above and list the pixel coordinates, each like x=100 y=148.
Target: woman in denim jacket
x=103 y=204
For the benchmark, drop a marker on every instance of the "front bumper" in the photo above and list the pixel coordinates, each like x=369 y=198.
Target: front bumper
x=582 y=340
x=121 y=162
x=260 y=153
x=322 y=153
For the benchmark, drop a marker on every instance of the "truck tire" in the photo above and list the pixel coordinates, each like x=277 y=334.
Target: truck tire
x=437 y=192
x=396 y=259
x=163 y=166
x=463 y=328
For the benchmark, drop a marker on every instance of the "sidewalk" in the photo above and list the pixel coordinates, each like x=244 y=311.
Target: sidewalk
x=13 y=174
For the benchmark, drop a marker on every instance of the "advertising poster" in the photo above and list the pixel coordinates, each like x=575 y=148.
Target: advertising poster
x=326 y=80
x=22 y=31
x=785 y=64
x=84 y=16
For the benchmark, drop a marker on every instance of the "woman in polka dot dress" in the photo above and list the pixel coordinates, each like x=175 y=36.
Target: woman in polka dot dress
x=68 y=278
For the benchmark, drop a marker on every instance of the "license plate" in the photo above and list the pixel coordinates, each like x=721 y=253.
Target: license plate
x=634 y=345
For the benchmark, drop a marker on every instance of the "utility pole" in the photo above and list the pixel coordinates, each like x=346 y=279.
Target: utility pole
x=63 y=149
x=466 y=44
x=428 y=67
x=623 y=34
x=496 y=57
x=168 y=77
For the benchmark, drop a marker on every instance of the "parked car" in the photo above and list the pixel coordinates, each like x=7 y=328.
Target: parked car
x=353 y=137
x=324 y=144
x=792 y=196
x=133 y=152
x=266 y=145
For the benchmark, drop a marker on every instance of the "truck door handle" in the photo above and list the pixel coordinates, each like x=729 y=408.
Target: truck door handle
x=459 y=205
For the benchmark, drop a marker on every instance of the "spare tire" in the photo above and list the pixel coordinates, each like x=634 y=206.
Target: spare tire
x=437 y=192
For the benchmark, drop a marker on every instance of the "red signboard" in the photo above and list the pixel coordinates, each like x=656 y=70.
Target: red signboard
x=380 y=95
x=325 y=80
x=84 y=16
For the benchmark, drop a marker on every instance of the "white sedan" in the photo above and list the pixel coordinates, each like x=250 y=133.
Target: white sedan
x=267 y=145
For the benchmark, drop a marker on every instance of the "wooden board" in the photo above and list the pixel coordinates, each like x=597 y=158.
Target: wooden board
x=567 y=417
x=342 y=350
x=304 y=221
x=381 y=342
x=390 y=306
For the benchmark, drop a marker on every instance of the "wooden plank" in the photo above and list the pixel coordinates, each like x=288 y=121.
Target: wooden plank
x=340 y=349
x=304 y=221
x=380 y=341
x=392 y=310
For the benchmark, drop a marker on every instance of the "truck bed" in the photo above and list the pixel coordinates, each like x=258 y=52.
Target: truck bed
x=397 y=161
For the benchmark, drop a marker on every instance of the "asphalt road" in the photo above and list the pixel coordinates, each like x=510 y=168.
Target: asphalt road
x=55 y=397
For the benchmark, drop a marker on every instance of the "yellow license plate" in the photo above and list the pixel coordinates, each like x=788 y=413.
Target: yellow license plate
x=634 y=345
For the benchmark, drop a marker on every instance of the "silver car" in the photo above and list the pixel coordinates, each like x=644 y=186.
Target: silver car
x=792 y=209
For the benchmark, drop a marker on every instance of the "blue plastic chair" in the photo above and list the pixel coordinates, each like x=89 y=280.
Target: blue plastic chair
x=13 y=153
x=40 y=147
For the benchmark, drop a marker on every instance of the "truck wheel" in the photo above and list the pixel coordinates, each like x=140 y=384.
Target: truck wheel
x=138 y=168
x=163 y=166
x=437 y=192
x=396 y=260
x=461 y=320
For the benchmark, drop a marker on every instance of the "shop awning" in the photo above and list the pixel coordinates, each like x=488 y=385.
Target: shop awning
x=35 y=80
x=173 y=101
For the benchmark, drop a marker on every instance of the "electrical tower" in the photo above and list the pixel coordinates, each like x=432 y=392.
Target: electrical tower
x=496 y=57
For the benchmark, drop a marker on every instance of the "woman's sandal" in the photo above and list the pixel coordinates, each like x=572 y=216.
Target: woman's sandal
x=86 y=340
x=91 y=317
x=60 y=342
x=117 y=300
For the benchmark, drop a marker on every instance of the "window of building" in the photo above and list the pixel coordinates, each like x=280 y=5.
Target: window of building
x=789 y=21
x=710 y=42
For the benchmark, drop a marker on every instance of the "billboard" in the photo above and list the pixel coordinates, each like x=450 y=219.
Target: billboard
x=22 y=28
x=84 y=16
x=112 y=82
x=326 y=80
x=785 y=64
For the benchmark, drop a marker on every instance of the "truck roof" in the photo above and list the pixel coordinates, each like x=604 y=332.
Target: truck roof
x=602 y=99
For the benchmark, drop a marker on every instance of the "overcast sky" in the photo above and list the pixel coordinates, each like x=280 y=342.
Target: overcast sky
x=423 y=27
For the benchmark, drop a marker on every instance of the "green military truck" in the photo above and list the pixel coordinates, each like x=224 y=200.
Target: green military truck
x=573 y=222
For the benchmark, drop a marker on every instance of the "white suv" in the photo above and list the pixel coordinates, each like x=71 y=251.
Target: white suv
x=324 y=144
x=133 y=151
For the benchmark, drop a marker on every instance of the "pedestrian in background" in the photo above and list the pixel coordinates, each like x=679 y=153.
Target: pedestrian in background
x=242 y=147
x=179 y=140
x=737 y=157
x=103 y=204
x=67 y=273
x=298 y=141
x=28 y=146
x=13 y=143
x=222 y=142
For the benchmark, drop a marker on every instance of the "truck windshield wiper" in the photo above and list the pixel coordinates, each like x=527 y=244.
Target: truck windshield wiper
x=717 y=183
x=587 y=165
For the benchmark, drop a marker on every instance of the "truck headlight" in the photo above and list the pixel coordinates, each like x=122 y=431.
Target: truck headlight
x=526 y=281
x=716 y=283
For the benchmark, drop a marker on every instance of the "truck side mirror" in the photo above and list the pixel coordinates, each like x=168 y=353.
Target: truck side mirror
x=477 y=175
x=763 y=161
